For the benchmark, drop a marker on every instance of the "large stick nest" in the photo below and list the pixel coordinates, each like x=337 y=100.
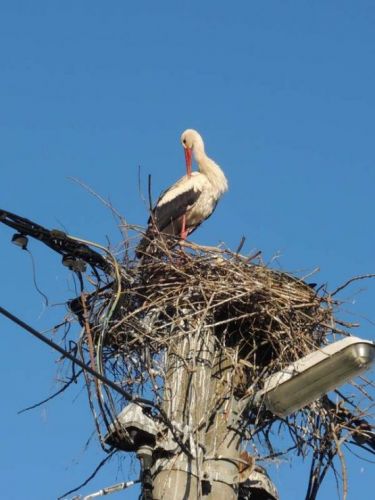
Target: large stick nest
x=271 y=318
x=262 y=318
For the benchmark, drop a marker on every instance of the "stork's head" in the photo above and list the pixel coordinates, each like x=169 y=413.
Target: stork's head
x=191 y=141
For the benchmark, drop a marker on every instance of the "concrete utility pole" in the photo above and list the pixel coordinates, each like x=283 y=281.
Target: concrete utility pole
x=199 y=401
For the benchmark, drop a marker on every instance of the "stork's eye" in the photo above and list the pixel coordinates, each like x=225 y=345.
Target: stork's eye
x=184 y=141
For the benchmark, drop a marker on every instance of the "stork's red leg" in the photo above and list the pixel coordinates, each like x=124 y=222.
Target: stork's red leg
x=183 y=228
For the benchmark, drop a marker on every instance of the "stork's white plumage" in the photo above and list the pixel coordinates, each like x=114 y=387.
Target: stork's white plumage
x=192 y=199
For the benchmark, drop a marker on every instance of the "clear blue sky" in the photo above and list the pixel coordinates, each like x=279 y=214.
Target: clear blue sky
x=283 y=93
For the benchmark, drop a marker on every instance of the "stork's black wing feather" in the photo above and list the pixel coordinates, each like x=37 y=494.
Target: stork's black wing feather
x=166 y=216
x=165 y=213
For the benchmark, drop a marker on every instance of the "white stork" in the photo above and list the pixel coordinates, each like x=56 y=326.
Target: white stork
x=192 y=199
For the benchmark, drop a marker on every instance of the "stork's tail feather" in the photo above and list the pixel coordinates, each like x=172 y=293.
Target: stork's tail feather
x=149 y=244
x=143 y=245
x=155 y=243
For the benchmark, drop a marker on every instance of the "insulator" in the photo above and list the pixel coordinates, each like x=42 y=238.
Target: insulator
x=76 y=265
x=20 y=240
x=69 y=261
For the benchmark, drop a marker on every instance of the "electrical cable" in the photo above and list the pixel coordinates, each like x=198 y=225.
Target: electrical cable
x=106 y=381
x=72 y=358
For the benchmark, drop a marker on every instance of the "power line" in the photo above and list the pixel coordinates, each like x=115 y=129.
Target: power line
x=59 y=241
x=72 y=358
x=88 y=369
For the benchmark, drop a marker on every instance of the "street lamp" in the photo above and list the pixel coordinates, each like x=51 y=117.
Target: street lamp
x=314 y=375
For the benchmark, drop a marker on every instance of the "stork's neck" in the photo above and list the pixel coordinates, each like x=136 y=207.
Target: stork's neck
x=210 y=169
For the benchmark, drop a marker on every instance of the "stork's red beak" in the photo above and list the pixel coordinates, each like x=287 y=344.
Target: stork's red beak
x=188 y=159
